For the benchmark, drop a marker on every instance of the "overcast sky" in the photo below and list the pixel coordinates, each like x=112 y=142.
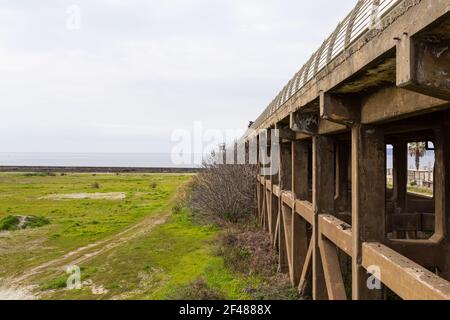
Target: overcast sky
x=136 y=70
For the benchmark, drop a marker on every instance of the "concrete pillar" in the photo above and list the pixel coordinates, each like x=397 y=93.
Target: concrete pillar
x=368 y=201
x=323 y=202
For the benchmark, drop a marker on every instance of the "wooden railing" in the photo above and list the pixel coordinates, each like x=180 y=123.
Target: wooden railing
x=404 y=277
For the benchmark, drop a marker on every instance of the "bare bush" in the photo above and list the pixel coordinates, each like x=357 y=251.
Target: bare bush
x=224 y=191
x=198 y=289
x=248 y=251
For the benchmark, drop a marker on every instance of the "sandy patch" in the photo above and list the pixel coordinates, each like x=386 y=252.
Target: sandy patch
x=95 y=289
x=90 y=196
x=98 y=290
x=16 y=293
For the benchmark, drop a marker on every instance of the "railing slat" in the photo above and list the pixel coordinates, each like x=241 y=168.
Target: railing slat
x=406 y=278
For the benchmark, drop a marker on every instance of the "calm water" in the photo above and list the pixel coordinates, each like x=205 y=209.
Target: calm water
x=129 y=159
x=89 y=159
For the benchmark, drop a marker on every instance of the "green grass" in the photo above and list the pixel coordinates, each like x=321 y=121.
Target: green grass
x=161 y=264
x=74 y=223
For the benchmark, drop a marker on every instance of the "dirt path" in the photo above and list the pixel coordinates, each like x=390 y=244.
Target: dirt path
x=17 y=287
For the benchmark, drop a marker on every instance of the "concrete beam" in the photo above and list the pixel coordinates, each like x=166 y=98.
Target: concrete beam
x=306 y=123
x=341 y=109
x=396 y=103
x=424 y=66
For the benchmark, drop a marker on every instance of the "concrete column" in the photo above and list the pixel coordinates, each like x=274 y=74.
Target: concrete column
x=368 y=201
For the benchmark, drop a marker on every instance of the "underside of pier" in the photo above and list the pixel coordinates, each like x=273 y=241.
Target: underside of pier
x=341 y=229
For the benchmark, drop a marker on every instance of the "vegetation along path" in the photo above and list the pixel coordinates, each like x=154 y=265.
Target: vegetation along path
x=127 y=233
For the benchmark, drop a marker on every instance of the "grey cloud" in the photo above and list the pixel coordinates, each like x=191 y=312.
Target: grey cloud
x=147 y=63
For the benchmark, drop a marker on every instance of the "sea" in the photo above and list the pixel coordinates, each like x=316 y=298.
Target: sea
x=149 y=160
x=135 y=160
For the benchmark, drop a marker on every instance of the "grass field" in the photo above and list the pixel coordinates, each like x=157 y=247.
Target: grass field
x=131 y=246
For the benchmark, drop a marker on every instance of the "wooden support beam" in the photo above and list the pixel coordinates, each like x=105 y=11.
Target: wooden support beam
x=299 y=244
x=413 y=221
x=264 y=209
x=423 y=66
x=268 y=216
x=306 y=123
x=299 y=247
x=276 y=190
x=442 y=189
x=337 y=231
x=305 y=210
x=285 y=179
x=287 y=221
x=285 y=171
x=276 y=243
x=332 y=270
x=442 y=180
x=368 y=201
x=274 y=217
x=342 y=184
x=283 y=263
x=287 y=197
x=261 y=200
x=406 y=278
x=424 y=252
x=287 y=134
x=258 y=196
x=305 y=278
x=323 y=201
x=400 y=173
x=300 y=168
x=343 y=109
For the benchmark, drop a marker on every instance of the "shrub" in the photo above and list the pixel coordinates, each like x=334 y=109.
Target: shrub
x=95 y=185
x=35 y=174
x=153 y=185
x=57 y=283
x=225 y=192
x=9 y=223
x=35 y=222
x=278 y=287
x=177 y=208
x=197 y=290
x=248 y=252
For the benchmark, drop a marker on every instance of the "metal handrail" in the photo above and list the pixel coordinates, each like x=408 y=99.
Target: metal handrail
x=357 y=23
